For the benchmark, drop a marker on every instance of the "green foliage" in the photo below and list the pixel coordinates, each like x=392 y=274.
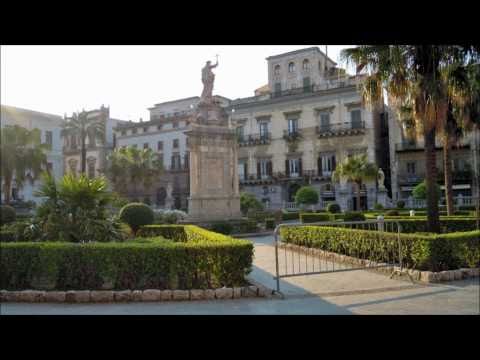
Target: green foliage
x=75 y=209
x=290 y=215
x=420 y=191
x=353 y=216
x=131 y=166
x=249 y=202
x=7 y=214
x=378 y=206
x=7 y=235
x=169 y=216
x=205 y=260
x=392 y=213
x=400 y=204
x=269 y=223
x=426 y=252
x=306 y=195
x=314 y=217
x=333 y=208
x=222 y=227
x=136 y=215
x=22 y=153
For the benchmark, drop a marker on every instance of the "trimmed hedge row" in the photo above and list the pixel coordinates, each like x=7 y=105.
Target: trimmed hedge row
x=419 y=224
x=434 y=252
x=191 y=258
x=290 y=215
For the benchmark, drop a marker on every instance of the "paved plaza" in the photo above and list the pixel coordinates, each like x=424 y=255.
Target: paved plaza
x=355 y=292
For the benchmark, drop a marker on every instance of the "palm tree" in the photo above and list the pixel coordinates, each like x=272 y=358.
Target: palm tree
x=358 y=170
x=131 y=166
x=411 y=74
x=23 y=157
x=462 y=81
x=81 y=127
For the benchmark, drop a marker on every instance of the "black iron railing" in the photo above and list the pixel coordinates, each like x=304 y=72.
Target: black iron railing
x=254 y=139
x=346 y=128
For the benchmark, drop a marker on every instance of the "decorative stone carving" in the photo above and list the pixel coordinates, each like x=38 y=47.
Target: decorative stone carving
x=381 y=179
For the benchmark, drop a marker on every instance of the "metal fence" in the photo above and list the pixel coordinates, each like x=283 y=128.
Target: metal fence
x=293 y=260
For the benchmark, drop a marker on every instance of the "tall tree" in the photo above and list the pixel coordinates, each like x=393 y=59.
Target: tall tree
x=412 y=75
x=23 y=157
x=130 y=166
x=82 y=127
x=358 y=170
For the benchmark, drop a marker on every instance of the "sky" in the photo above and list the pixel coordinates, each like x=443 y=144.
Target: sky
x=130 y=79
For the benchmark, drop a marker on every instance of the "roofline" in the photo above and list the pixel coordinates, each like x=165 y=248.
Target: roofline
x=300 y=51
x=173 y=101
x=32 y=111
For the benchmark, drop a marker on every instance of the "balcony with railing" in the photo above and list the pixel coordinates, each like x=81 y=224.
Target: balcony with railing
x=292 y=135
x=254 y=139
x=341 y=129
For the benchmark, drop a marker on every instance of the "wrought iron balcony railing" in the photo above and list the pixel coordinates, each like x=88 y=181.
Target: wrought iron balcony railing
x=292 y=135
x=254 y=139
x=342 y=129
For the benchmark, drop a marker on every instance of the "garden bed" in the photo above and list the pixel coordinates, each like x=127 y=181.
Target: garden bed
x=416 y=275
x=435 y=252
x=167 y=258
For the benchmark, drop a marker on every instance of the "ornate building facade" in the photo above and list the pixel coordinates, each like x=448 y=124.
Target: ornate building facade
x=296 y=130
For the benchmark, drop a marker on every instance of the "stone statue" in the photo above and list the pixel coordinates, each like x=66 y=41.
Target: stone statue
x=208 y=77
x=381 y=179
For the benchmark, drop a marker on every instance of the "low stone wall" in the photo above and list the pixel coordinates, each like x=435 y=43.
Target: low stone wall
x=417 y=275
x=150 y=295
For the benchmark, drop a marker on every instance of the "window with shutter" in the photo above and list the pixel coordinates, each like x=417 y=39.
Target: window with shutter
x=269 y=168
x=278 y=88
x=356 y=119
x=259 y=170
x=325 y=122
x=300 y=171
x=287 y=167
x=319 y=166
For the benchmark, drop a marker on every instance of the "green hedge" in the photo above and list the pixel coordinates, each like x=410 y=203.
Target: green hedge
x=8 y=235
x=419 y=224
x=192 y=258
x=290 y=215
x=425 y=252
x=315 y=217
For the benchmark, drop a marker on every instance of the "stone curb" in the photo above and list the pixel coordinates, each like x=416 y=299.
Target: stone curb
x=148 y=295
x=417 y=275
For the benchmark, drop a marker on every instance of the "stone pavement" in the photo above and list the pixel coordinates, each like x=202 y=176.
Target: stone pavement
x=355 y=292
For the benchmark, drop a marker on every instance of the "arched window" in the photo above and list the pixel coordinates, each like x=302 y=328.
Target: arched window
x=276 y=70
x=306 y=64
x=291 y=67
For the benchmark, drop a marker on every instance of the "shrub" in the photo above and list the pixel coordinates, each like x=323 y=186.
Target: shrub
x=205 y=260
x=333 y=208
x=353 y=216
x=136 y=215
x=306 y=195
x=400 y=204
x=434 y=252
x=290 y=215
x=7 y=214
x=314 y=217
x=7 y=235
x=270 y=223
x=378 y=206
x=392 y=213
x=75 y=209
x=249 y=202
x=169 y=216
x=420 y=191
x=222 y=227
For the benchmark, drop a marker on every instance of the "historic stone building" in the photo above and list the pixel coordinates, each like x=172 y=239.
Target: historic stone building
x=97 y=151
x=50 y=131
x=296 y=130
x=407 y=160
x=164 y=134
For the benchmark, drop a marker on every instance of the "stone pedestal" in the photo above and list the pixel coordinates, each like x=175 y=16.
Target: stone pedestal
x=214 y=189
x=342 y=199
x=382 y=197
